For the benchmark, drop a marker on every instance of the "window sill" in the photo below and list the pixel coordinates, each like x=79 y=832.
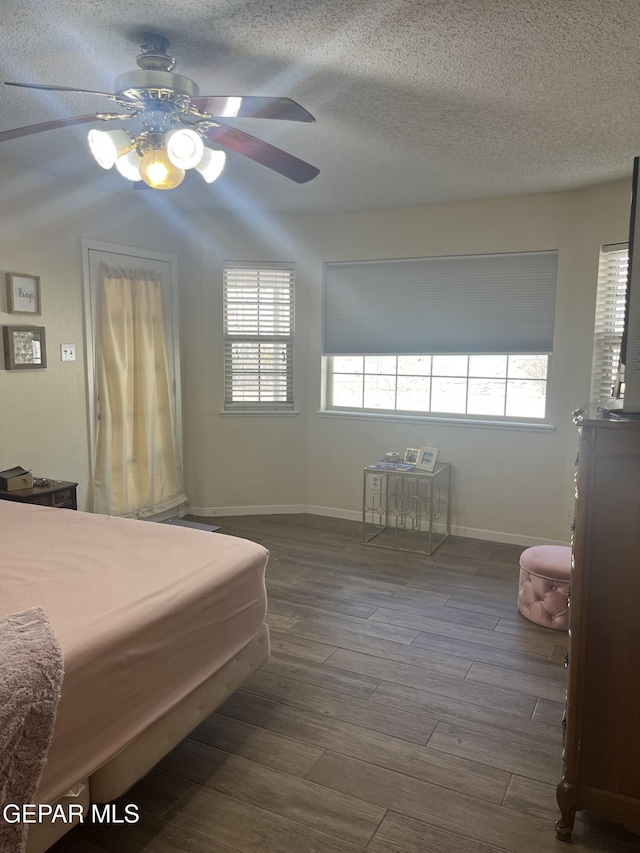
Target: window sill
x=259 y=413
x=461 y=422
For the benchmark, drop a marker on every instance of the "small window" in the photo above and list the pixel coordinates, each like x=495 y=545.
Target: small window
x=258 y=336
x=609 y=321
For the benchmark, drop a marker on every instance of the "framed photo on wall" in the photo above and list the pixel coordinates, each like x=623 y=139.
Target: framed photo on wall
x=24 y=347
x=427 y=458
x=23 y=293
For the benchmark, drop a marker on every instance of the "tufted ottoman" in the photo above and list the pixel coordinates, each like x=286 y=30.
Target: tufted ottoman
x=545 y=571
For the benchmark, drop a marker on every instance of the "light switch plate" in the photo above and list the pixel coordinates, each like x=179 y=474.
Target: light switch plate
x=68 y=352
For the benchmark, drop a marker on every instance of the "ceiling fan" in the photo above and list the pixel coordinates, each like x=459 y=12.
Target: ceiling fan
x=180 y=128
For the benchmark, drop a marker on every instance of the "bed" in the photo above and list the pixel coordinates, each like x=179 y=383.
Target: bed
x=158 y=625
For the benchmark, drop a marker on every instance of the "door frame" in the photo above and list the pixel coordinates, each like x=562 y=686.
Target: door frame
x=138 y=254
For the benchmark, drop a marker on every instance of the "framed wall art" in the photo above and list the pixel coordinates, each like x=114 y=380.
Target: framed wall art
x=23 y=293
x=24 y=347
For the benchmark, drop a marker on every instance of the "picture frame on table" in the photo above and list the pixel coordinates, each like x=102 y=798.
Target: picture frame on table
x=23 y=293
x=411 y=455
x=24 y=347
x=427 y=458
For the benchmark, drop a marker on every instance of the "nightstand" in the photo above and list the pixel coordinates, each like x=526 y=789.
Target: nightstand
x=406 y=510
x=58 y=493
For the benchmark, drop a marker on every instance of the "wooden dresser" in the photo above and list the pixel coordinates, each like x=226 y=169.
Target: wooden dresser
x=58 y=493
x=602 y=736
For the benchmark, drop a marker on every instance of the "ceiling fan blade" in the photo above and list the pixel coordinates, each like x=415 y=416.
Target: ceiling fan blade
x=17 y=132
x=60 y=89
x=262 y=152
x=252 y=107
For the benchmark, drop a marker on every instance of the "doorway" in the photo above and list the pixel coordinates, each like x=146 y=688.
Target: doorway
x=164 y=267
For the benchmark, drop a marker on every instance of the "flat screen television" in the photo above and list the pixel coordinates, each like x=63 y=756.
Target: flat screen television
x=630 y=349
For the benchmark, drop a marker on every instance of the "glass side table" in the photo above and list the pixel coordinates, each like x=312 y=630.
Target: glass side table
x=406 y=510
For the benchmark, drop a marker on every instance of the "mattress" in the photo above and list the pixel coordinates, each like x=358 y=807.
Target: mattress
x=144 y=614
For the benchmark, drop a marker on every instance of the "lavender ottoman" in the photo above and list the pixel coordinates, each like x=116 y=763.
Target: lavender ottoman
x=545 y=571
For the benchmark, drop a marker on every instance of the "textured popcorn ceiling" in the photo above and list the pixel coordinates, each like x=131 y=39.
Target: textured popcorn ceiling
x=416 y=101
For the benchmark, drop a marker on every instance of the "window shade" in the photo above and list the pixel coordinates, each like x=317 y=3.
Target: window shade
x=464 y=304
x=609 y=321
x=258 y=332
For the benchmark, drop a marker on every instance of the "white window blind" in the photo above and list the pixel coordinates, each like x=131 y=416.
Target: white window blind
x=258 y=336
x=464 y=304
x=609 y=321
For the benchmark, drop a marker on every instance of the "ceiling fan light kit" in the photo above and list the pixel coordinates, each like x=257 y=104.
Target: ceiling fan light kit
x=185 y=147
x=211 y=165
x=180 y=128
x=108 y=145
x=164 y=151
x=129 y=166
x=157 y=170
x=157 y=159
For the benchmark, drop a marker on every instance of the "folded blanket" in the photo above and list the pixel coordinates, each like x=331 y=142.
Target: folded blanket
x=31 y=673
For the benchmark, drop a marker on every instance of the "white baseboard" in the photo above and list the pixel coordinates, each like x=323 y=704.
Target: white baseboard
x=506 y=538
x=275 y=509
x=353 y=515
x=330 y=512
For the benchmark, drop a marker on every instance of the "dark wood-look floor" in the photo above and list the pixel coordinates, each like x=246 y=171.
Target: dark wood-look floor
x=406 y=708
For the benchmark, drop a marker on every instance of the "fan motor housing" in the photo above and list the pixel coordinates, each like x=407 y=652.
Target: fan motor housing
x=156 y=86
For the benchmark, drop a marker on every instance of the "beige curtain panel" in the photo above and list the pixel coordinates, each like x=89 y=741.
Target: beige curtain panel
x=138 y=471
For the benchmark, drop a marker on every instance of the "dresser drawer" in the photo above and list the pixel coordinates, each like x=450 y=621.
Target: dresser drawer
x=64 y=497
x=42 y=500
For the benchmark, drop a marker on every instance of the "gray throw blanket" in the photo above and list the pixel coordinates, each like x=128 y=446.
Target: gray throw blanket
x=31 y=673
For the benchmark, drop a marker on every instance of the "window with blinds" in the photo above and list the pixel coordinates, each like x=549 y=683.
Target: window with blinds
x=468 y=337
x=258 y=336
x=609 y=320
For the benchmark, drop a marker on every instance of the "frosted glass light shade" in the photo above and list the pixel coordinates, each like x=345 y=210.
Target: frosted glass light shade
x=129 y=166
x=211 y=164
x=107 y=145
x=184 y=147
x=158 y=171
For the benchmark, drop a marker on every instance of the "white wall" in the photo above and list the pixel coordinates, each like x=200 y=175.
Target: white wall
x=514 y=483
x=509 y=483
x=43 y=419
x=239 y=461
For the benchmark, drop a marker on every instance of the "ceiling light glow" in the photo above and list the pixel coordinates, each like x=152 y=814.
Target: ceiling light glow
x=107 y=145
x=211 y=165
x=158 y=172
x=129 y=166
x=184 y=147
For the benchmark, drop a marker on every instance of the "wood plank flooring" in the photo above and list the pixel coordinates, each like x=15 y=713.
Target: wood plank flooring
x=406 y=708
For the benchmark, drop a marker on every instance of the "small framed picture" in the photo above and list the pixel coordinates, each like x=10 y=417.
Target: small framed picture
x=23 y=293
x=411 y=455
x=427 y=458
x=24 y=347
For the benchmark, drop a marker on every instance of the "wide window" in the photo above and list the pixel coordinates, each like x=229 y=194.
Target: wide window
x=609 y=322
x=466 y=337
x=502 y=386
x=258 y=336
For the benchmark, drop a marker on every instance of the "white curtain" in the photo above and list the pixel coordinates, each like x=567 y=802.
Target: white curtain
x=137 y=467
